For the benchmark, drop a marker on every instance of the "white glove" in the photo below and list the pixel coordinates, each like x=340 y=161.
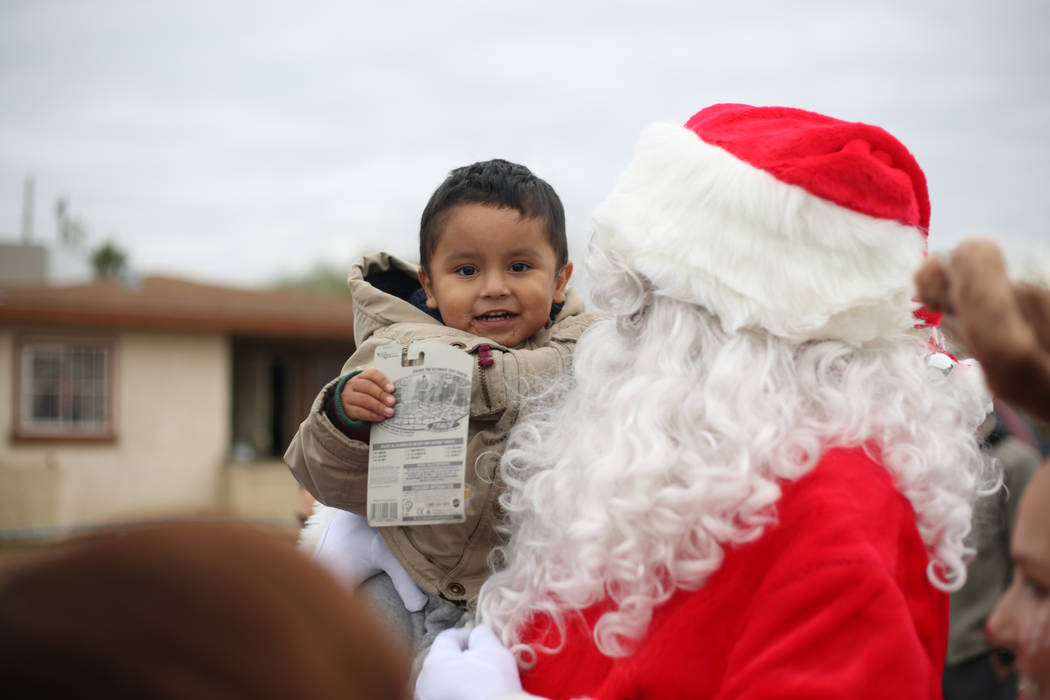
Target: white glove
x=467 y=664
x=355 y=551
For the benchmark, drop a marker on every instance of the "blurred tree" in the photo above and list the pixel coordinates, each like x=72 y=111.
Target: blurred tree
x=108 y=260
x=324 y=278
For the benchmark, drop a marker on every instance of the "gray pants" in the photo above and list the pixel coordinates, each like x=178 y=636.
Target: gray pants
x=417 y=629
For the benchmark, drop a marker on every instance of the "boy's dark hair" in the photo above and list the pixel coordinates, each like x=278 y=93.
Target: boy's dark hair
x=498 y=183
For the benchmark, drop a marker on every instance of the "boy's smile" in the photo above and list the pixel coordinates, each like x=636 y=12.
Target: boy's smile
x=494 y=274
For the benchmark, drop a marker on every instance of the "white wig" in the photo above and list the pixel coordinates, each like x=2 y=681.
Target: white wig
x=673 y=440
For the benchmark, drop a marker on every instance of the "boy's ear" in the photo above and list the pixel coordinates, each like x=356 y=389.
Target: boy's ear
x=425 y=282
x=560 y=281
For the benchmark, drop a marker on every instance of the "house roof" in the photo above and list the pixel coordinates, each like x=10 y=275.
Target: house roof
x=167 y=303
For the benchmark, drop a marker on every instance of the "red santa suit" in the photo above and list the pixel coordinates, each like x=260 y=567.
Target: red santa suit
x=831 y=602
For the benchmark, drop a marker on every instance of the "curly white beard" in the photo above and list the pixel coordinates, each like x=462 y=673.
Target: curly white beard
x=672 y=440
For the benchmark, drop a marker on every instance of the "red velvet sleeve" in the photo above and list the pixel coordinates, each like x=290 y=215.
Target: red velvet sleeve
x=837 y=632
x=833 y=602
x=846 y=609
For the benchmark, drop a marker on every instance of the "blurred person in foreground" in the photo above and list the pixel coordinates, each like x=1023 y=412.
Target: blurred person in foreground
x=758 y=487
x=975 y=669
x=1021 y=620
x=188 y=611
x=1008 y=328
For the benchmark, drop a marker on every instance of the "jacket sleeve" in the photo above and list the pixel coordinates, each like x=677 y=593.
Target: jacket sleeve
x=846 y=608
x=333 y=467
x=515 y=373
x=839 y=631
x=502 y=375
x=330 y=465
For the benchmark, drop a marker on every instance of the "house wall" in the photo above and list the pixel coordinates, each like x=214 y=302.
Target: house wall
x=263 y=491
x=22 y=262
x=172 y=419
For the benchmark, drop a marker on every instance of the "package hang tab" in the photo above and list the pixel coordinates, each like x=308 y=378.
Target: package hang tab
x=417 y=457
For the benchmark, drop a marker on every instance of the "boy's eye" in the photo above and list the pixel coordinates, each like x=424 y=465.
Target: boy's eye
x=519 y=267
x=466 y=270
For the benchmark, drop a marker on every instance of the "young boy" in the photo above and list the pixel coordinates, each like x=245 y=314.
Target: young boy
x=492 y=281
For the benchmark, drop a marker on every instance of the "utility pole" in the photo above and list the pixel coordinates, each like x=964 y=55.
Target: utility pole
x=28 y=195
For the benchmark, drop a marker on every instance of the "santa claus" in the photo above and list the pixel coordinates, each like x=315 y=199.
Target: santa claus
x=758 y=485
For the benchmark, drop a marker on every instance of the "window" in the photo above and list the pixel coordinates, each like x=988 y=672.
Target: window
x=65 y=389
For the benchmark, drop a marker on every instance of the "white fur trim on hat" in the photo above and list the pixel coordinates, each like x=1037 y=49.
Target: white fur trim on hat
x=708 y=228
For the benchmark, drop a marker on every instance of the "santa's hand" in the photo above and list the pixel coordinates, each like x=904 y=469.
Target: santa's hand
x=467 y=664
x=354 y=551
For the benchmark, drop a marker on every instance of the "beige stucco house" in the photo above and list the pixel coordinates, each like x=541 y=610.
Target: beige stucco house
x=126 y=401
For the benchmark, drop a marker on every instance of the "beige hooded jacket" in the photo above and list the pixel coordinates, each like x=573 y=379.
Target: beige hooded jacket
x=449 y=560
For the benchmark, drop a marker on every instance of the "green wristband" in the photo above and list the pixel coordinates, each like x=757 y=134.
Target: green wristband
x=346 y=420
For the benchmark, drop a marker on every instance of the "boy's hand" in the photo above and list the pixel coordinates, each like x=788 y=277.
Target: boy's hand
x=368 y=397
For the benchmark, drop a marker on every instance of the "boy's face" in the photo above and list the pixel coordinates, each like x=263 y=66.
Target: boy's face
x=494 y=274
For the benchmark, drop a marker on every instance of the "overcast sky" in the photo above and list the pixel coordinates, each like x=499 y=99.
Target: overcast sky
x=236 y=142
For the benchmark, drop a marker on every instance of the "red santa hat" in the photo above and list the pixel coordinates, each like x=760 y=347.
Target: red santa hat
x=777 y=218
